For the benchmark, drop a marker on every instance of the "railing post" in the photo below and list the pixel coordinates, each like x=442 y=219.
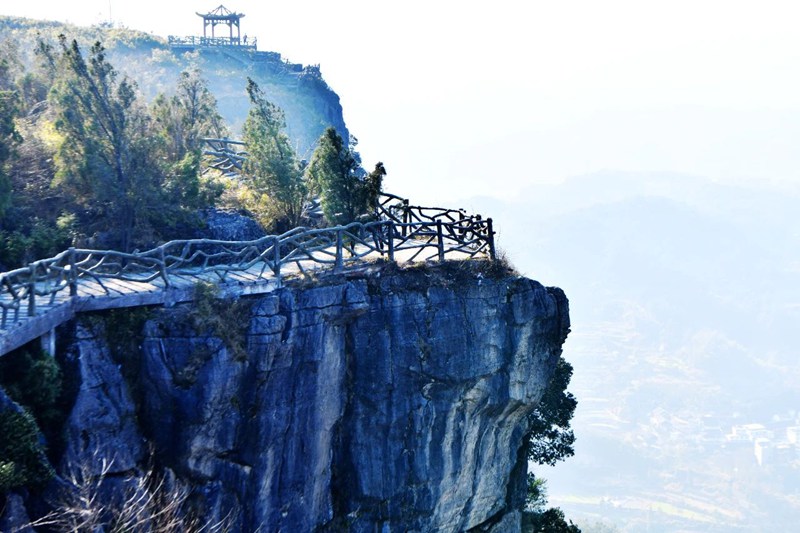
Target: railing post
x=490 y=239
x=162 y=265
x=440 y=236
x=32 y=290
x=73 y=272
x=276 y=261
x=339 y=251
x=391 y=241
x=406 y=217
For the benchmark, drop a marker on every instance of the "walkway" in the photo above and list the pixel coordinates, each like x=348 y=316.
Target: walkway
x=36 y=299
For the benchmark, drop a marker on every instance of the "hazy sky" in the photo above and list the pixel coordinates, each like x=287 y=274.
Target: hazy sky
x=488 y=97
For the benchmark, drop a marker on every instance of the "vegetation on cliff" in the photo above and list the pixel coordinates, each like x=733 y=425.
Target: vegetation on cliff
x=551 y=440
x=33 y=380
x=85 y=160
x=272 y=169
x=91 y=165
x=335 y=173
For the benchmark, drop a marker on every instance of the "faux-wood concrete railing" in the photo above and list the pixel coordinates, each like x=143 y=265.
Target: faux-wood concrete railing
x=421 y=233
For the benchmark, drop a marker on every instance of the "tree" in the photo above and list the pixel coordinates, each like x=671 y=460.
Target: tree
x=9 y=136
x=105 y=156
x=272 y=168
x=181 y=121
x=549 y=521
x=22 y=459
x=29 y=207
x=551 y=438
x=536 y=517
x=536 y=498
x=335 y=173
x=373 y=186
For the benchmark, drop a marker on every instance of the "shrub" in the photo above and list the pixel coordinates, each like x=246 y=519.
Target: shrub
x=22 y=459
x=225 y=319
x=33 y=379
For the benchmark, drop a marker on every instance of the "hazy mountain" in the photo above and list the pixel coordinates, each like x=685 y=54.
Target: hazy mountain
x=685 y=299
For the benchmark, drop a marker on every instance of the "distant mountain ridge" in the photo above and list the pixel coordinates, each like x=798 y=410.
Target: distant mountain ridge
x=685 y=303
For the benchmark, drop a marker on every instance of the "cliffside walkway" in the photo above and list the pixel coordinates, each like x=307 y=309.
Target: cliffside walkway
x=36 y=299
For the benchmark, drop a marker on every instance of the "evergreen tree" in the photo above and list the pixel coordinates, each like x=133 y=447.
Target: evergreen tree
x=105 y=155
x=272 y=168
x=9 y=136
x=186 y=117
x=551 y=438
x=336 y=175
x=373 y=185
x=181 y=121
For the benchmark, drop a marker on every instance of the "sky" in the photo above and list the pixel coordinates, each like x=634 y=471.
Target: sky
x=463 y=99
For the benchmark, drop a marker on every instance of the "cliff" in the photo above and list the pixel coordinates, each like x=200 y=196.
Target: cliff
x=387 y=400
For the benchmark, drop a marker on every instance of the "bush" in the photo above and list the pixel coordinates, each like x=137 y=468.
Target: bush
x=224 y=318
x=22 y=459
x=33 y=379
x=36 y=241
x=549 y=521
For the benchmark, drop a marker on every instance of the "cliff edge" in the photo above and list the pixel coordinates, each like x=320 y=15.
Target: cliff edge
x=387 y=400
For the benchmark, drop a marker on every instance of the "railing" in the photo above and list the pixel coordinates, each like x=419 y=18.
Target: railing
x=225 y=155
x=424 y=233
x=193 y=42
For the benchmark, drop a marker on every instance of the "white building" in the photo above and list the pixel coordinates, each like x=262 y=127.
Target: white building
x=763 y=451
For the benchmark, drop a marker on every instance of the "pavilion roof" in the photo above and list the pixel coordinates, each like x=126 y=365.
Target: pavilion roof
x=221 y=13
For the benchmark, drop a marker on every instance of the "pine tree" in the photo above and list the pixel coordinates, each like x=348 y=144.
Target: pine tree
x=551 y=438
x=272 y=168
x=9 y=136
x=373 y=186
x=336 y=175
x=104 y=159
x=181 y=121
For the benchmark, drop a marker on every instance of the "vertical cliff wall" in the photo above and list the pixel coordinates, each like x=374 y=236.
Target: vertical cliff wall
x=386 y=401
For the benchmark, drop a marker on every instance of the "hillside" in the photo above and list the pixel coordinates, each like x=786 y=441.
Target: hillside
x=310 y=105
x=102 y=140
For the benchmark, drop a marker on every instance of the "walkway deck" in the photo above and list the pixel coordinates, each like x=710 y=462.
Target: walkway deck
x=110 y=293
x=38 y=298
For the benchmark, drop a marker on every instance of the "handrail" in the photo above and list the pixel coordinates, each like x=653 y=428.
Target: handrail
x=398 y=226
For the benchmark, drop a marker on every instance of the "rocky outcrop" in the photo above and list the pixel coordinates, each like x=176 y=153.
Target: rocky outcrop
x=224 y=225
x=385 y=401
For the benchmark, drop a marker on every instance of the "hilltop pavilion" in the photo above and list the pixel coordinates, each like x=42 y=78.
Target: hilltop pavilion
x=219 y=16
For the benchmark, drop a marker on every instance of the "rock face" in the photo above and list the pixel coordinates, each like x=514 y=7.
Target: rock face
x=388 y=401
x=229 y=226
